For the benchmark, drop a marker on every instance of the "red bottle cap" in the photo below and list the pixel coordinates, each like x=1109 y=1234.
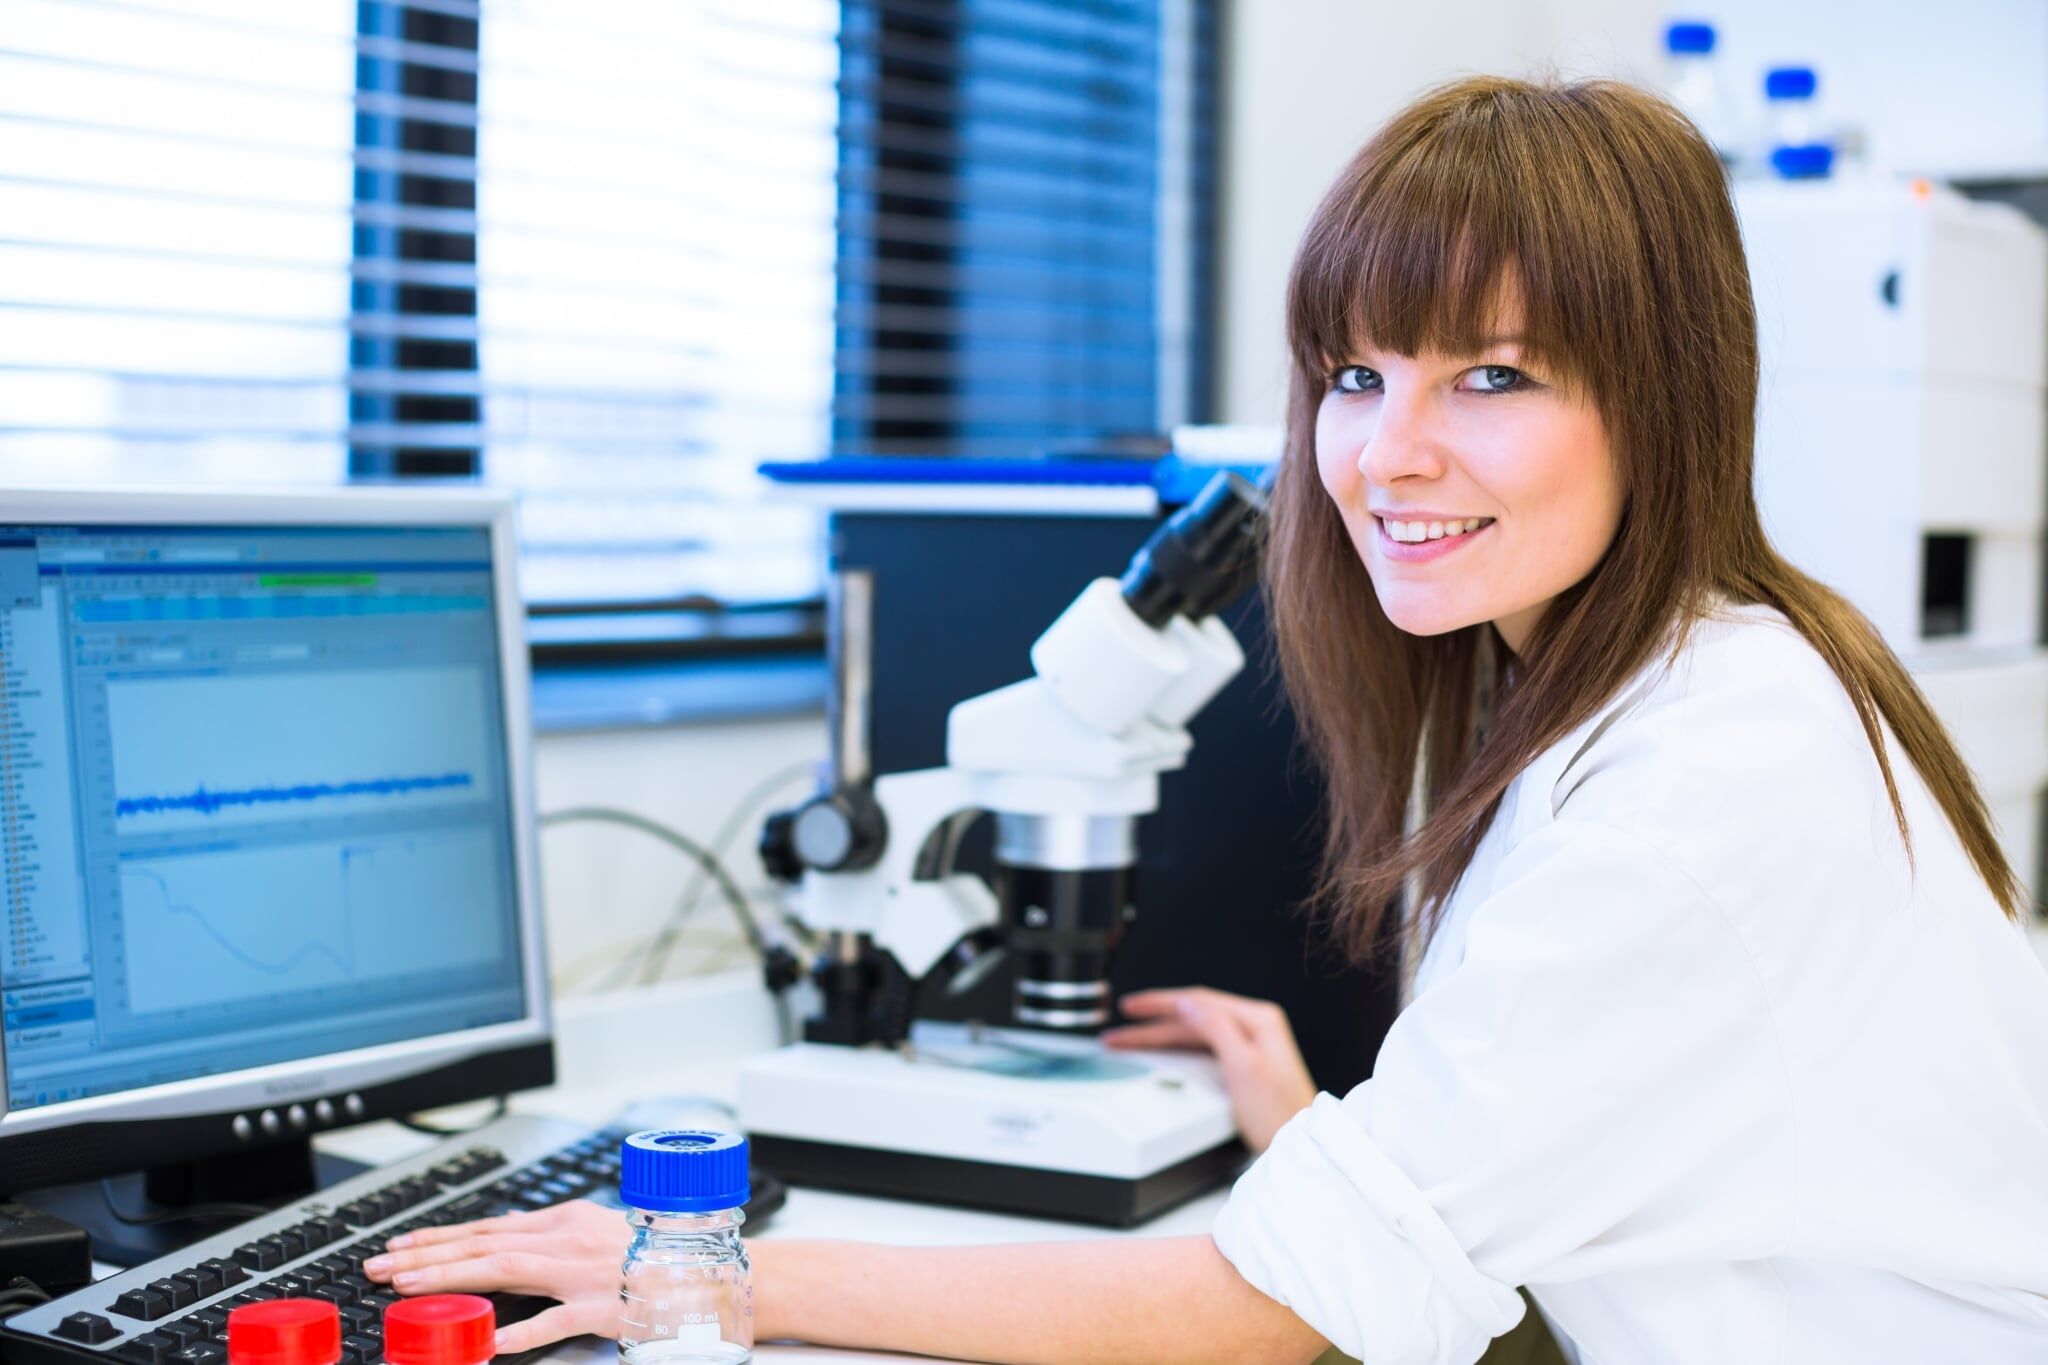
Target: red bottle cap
x=440 y=1329
x=285 y=1332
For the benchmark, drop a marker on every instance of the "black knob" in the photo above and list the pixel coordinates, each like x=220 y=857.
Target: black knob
x=778 y=848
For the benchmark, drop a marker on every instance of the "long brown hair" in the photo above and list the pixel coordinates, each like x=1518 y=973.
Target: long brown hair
x=1609 y=214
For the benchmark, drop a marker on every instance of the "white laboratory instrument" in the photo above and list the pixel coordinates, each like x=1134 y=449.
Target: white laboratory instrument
x=1036 y=1118
x=1902 y=413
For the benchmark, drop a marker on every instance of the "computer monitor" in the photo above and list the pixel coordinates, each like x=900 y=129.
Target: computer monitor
x=265 y=824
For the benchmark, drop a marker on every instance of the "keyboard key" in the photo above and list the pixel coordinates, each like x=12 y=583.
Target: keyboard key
x=340 y=1295
x=181 y=1291
x=260 y=1291
x=146 y=1304
x=356 y=1318
x=201 y=1353
x=290 y=1243
x=465 y=1209
x=90 y=1328
x=369 y=1349
x=213 y=1320
x=357 y=1213
x=153 y=1349
x=379 y=1301
x=329 y=1230
x=292 y=1286
x=204 y=1284
x=184 y=1331
x=229 y=1272
x=259 y=1255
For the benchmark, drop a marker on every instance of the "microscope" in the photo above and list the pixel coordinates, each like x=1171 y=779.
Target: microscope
x=1033 y=1116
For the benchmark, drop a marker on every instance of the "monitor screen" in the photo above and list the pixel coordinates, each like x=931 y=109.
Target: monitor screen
x=255 y=802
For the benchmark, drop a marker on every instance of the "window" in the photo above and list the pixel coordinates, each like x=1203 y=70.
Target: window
x=608 y=253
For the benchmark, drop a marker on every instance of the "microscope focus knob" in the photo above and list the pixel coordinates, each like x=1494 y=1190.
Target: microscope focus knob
x=840 y=831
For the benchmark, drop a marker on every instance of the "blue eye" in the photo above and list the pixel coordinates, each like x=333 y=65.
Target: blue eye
x=1356 y=379
x=1501 y=379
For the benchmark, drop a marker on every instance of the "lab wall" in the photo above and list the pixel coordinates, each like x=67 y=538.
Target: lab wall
x=609 y=890
x=1306 y=81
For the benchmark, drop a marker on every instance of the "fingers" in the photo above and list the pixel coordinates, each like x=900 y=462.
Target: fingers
x=597 y=1315
x=1218 y=1028
x=550 y=1219
x=469 y=1248
x=1166 y=1033
x=515 y=1272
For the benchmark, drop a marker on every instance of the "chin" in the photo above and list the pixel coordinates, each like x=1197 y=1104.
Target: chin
x=1426 y=611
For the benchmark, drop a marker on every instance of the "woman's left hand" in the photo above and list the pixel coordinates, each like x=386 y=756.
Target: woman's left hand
x=1267 y=1081
x=571 y=1252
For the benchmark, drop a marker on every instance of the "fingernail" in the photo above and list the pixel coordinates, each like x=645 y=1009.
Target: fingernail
x=410 y=1279
x=1188 y=1008
x=400 y=1242
x=376 y=1265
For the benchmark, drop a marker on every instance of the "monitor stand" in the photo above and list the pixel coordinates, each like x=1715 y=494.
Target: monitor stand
x=268 y=1177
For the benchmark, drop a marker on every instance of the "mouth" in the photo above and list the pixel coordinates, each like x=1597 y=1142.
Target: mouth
x=1417 y=540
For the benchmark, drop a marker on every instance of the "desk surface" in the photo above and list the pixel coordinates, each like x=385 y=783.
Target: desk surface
x=809 y=1212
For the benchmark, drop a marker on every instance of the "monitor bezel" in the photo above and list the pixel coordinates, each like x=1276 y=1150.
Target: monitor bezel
x=251 y=1107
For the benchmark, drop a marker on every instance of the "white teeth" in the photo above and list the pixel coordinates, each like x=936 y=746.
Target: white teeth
x=1413 y=532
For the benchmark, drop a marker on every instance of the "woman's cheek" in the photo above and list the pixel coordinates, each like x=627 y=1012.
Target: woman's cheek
x=1336 y=456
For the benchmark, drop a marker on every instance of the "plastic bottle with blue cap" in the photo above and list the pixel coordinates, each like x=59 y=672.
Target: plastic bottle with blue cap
x=1799 y=148
x=686 y=1293
x=1698 y=90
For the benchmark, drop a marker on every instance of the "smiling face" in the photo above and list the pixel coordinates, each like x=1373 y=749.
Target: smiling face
x=1474 y=487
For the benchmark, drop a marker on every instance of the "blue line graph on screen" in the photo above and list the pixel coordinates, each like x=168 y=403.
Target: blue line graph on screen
x=226 y=922
x=207 y=802
x=342 y=956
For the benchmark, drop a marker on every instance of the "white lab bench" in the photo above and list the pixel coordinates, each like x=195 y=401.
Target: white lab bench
x=687 y=1039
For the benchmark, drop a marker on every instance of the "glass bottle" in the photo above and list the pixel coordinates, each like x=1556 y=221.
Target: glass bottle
x=686 y=1294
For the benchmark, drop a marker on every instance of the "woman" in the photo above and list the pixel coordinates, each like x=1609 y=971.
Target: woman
x=1723 y=1040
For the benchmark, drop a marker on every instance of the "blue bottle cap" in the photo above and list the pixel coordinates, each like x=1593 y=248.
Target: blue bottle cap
x=683 y=1170
x=1687 y=36
x=1803 y=161
x=1790 y=83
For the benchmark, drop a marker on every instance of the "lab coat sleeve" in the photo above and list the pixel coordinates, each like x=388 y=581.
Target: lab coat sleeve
x=1596 y=1086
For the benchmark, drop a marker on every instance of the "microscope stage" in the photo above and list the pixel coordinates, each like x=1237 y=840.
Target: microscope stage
x=1004 y=1119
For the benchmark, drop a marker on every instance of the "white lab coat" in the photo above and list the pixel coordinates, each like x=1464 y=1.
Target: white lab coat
x=1696 y=1058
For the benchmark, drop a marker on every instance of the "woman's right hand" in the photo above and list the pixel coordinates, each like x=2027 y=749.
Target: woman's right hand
x=1263 y=1073
x=571 y=1252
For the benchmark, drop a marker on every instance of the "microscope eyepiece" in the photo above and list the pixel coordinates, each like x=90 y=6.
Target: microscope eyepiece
x=1202 y=558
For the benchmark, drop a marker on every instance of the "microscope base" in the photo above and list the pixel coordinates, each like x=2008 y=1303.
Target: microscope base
x=1061 y=1195
x=1009 y=1120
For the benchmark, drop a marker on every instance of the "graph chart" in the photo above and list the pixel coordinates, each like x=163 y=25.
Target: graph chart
x=227 y=926
x=215 y=752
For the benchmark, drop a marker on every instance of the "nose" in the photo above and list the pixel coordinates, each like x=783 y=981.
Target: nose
x=1404 y=442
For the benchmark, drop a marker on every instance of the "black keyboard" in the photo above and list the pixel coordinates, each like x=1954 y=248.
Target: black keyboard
x=174 y=1310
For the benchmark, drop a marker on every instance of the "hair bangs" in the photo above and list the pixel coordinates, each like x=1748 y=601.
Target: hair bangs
x=1428 y=246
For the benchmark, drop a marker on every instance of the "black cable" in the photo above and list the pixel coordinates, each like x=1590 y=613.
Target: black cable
x=499 y=1104
x=696 y=852
x=20 y=1295
x=180 y=1214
